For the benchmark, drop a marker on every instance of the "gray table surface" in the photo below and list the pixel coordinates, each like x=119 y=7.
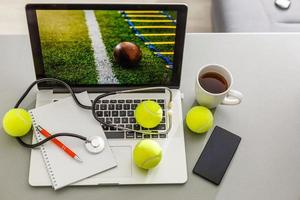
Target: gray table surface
x=266 y=68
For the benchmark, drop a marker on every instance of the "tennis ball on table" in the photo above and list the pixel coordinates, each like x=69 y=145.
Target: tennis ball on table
x=148 y=114
x=147 y=154
x=17 y=122
x=199 y=119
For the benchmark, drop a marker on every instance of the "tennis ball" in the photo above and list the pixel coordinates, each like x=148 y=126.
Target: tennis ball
x=199 y=119
x=17 y=122
x=148 y=114
x=147 y=154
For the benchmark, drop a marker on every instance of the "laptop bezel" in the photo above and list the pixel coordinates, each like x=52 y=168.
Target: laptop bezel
x=37 y=53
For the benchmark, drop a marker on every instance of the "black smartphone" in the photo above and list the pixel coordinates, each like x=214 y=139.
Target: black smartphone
x=216 y=155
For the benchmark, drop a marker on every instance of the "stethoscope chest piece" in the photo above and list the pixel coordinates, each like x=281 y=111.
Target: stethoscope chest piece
x=95 y=144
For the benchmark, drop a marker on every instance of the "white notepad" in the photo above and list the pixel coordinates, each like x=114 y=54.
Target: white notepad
x=65 y=116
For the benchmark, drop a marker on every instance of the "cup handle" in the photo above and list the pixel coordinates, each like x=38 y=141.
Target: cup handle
x=233 y=97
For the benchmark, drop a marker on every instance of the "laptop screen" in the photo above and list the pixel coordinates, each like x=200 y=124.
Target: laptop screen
x=108 y=47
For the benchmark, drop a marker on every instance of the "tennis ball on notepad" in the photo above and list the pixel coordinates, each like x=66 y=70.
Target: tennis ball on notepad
x=147 y=154
x=148 y=114
x=199 y=119
x=17 y=122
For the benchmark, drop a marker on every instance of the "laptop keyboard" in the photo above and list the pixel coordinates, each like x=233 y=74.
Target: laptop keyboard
x=121 y=112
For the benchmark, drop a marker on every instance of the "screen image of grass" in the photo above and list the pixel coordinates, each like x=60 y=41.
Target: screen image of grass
x=151 y=69
x=66 y=46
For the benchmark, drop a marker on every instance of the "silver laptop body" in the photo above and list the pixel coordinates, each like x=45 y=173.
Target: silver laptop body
x=172 y=169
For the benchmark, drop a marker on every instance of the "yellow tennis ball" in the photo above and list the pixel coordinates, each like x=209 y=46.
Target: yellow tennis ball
x=147 y=154
x=17 y=122
x=148 y=114
x=199 y=119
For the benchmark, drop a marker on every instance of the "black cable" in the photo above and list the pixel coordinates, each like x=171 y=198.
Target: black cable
x=92 y=108
x=51 y=80
x=50 y=138
x=57 y=134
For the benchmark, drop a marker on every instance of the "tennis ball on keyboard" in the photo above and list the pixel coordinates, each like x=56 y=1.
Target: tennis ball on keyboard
x=17 y=122
x=148 y=114
x=199 y=119
x=147 y=154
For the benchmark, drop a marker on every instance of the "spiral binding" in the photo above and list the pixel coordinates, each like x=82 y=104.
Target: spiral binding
x=43 y=150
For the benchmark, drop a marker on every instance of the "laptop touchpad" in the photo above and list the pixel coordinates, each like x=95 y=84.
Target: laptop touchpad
x=123 y=156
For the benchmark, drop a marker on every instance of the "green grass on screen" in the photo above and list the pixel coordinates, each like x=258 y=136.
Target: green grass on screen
x=114 y=29
x=66 y=46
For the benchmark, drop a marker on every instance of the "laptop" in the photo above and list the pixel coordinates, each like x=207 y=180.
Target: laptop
x=78 y=43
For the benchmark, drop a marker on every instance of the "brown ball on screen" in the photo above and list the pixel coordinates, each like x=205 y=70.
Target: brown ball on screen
x=127 y=54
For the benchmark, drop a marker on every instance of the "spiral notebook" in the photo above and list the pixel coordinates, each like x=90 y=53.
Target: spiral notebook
x=65 y=116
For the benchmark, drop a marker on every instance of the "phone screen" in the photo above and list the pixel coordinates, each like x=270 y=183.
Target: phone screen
x=216 y=155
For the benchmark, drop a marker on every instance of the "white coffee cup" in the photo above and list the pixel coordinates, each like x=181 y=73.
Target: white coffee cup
x=212 y=100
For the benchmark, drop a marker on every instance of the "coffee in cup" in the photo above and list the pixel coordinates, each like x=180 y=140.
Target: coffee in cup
x=213 y=87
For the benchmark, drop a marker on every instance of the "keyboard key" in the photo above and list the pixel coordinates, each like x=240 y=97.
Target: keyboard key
x=128 y=101
x=126 y=106
x=122 y=113
x=146 y=135
x=106 y=113
x=129 y=134
x=133 y=106
x=99 y=113
x=160 y=100
x=136 y=127
x=163 y=120
x=112 y=128
x=121 y=101
x=121 y=126
x=115 y=134
x=132 y=120
x=130 y=113
x=124 y=120
x=154 y=131
x=102 y=119
x=105 y=101
x=114 y=113
x=99 y=101
x=136 y=101
x=113 y=101
x=97 y=107
x=119 y=107
x=154 y=136
x=138 y=135
x=117 y=120
x=111 y=106
x=160 y=127
x=162 y=135
x=108 y=120
x=128 y=126
x=103 y=106
x=105 y=127
x=162 y=105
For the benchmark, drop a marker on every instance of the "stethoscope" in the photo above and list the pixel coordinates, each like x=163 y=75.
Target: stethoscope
x=94 y=144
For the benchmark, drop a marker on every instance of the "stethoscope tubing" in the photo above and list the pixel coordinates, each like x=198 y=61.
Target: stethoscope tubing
x=93 y=109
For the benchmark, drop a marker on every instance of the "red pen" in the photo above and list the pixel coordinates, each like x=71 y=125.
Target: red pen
x=59 y=144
